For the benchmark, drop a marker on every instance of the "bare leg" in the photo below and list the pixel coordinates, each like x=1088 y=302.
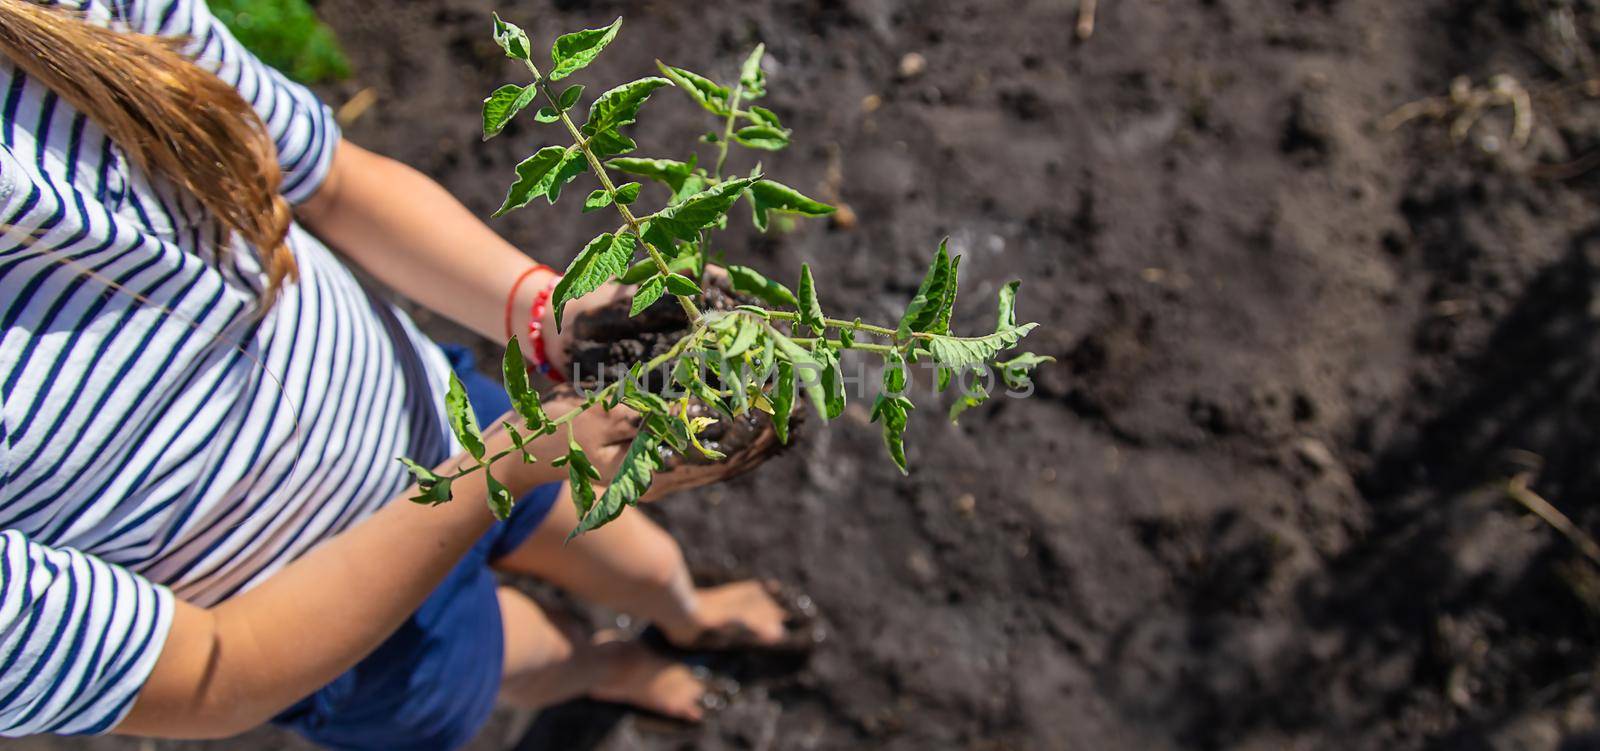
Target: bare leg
x=545 y=664
x=632 y=565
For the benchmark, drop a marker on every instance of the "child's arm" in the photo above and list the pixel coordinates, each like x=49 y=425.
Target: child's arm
x=234 y=666
x=406 y=230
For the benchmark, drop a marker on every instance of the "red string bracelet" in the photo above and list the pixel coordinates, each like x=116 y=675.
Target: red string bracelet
x=511 y=299
x=536 y=333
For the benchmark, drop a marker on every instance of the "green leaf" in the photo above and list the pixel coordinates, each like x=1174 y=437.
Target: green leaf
x=746 y=334
x=705 y=92
x=620 y=106
x=764 y=137
x=511 y=38
x=598 y=199
x=633 y=480
x=1015 y=371
x=500 y=498
x=832 y=382
x=434 y=489
x=571 y=165
x=679 y=284
x=783 y=394
x=810 y=309
x=947 y=306
x=610 y=143
x=667 y=171
x=943 y=377
x=766 y=195
x=891 y=411
x=604 y=257
x=684 y=220
x=687 y=375
x=531 y=175
x=894 y=374
x=628 y=193
x=1008 y=306
x=953 y=351
x=648 y=293
x=580 y=474
x=572 y=52
x=462 y=422
x=504 y=104
x=763 y=116
x=570 y=96
x=809 y=371
x=751 y=282
x=751 y=77
x=967 y=401
x=524 y=399
x=922 y=315
x=547 y=114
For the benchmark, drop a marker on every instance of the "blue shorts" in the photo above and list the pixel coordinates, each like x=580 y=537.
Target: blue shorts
x=432 y=685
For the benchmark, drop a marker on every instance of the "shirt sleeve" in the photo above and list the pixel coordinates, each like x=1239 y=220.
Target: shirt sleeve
x=78 y=638
x=301 y=126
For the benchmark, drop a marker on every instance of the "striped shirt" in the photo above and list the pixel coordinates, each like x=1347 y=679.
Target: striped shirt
x=174 y=445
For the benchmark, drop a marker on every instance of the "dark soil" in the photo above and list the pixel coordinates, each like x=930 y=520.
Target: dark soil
x=1258 y=502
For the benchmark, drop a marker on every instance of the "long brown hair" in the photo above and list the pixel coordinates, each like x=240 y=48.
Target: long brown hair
x=171 y=117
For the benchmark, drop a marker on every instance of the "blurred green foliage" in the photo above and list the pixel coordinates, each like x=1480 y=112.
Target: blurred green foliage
x=287 y=35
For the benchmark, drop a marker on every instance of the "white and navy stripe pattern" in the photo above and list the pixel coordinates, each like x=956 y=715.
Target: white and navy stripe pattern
x=145 y=452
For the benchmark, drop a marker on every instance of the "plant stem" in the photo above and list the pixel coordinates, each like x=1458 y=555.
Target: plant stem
x=599 y=169
x=835 y=323
x=727 y=130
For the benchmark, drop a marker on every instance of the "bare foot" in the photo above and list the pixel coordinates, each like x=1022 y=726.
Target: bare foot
x=635 y=676
x=742 y=609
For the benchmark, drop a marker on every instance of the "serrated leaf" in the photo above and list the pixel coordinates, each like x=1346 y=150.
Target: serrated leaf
x=783 y=394
x=604 y=257
x=705 y=92
x=571 y=165
x=751 y=77
x=598 y=199
x=633 y=480
x=500 y=498
x=570 y=96
x=679 y=284
x=767 y=195
x=810 y=309
x=752 y=282
x=947 y=306
x=462 y=421
x=610 y=143
x=432 y=489
x=504 y=104
x=620 y=106
x=524 y=399
x=628 y=193
x=649 y=292
x=953 y=351
x=922 y=315
x=891 y=412
x=763 y=116
x=511 y=38
x=1015 y=371
x=684 y=220
x=572 y=52
x=764 y=137
x=667 y=171
x=531 y=174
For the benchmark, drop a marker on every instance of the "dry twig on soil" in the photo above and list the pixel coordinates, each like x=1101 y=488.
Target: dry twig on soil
x=1519 y=491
